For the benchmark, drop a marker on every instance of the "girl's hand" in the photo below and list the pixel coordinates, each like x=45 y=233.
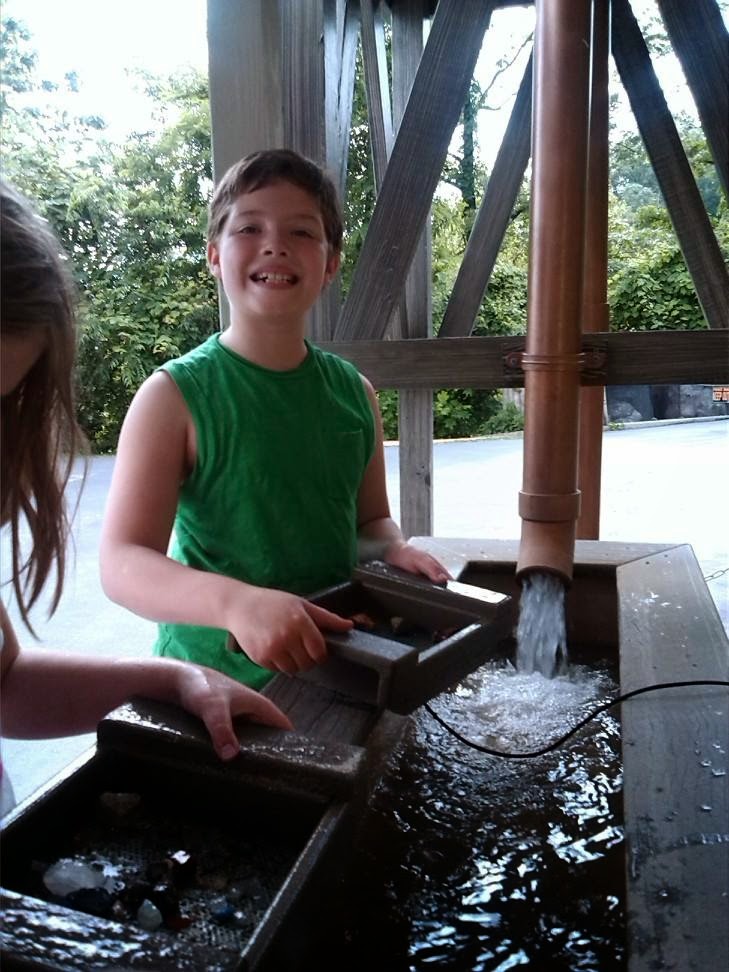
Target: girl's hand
x=217 y=700
x=282 y=631
x=404 y=555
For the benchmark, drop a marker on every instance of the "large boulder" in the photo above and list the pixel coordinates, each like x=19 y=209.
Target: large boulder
x=629 y=403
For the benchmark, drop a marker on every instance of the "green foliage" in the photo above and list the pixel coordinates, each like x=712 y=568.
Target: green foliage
x=655 y=293
x=132 y=219
x=388 y=401
x=649 y=286
x=509 y=418
x=457 y=413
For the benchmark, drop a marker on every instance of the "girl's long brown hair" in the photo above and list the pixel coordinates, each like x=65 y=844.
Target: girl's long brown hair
x=39 y=433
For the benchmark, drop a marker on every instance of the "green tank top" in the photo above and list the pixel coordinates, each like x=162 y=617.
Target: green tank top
x=272 y=499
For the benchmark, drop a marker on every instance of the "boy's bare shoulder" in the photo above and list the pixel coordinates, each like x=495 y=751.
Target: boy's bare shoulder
x=159 y=399
x=368 y=387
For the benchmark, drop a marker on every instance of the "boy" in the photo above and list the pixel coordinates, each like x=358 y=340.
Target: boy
x=265 y=451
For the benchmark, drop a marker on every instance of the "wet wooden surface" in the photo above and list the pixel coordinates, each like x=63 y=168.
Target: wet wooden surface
x=675 y=741
x=675 y=764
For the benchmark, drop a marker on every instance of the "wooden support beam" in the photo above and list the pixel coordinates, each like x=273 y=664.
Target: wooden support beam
x=437 y=97
x=341 y=30
x=302 y=26
x=493 y=217
x=303 y=92
x=618 y=357
x=246 y=107
x=415 y=406
x=379 y=110
x=699 y=38
x=595 y=311
x=407 y=49
x=686 y=208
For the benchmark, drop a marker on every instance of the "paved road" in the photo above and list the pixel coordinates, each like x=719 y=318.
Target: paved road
x=661 y=483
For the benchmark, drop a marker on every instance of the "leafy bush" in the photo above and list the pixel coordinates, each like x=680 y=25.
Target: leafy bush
x=509 y=418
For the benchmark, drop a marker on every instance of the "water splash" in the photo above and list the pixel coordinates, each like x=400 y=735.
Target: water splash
x=541 y=633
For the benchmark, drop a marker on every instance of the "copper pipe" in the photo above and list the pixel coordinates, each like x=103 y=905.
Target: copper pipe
x=595 y=310
x=549 y=500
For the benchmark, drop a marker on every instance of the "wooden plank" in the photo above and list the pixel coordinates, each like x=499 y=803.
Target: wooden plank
x=407 y=49
x=493 y=217
x=303 y=94
x=164 y=734
x=341 y=30
x=246 y=111
x=244 y=48
x=415 y=407
x=377 y=86
x=675 y=746
x=601 y=553
x=402 y=207
x=631 y=357
x=416 y=464
x=302 y=26
x=699 y=38
x=320 y=712
x=379 y=113
x=685 y=206
x=595 y=310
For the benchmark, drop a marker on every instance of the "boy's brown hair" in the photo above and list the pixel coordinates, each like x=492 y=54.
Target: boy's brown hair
x=40 y=435
x=261 y=169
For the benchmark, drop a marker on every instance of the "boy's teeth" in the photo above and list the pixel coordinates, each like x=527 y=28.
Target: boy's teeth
x=275 y=277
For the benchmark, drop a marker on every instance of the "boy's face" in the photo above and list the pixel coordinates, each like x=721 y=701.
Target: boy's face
x=272 y=256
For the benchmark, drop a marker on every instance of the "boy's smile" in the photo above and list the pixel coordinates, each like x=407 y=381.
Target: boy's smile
x=273 y=256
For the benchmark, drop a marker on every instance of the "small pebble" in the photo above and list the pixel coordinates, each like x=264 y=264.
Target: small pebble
x=148 y=916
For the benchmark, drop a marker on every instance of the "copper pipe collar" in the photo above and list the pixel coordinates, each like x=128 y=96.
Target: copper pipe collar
x=549 y=507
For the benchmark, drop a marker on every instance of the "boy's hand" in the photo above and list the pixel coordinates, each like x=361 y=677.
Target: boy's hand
x=217 y=699
x=282 y=631
x=404 y=555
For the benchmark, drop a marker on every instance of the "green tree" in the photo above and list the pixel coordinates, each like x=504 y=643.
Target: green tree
x=131 y=217
x=649 y=286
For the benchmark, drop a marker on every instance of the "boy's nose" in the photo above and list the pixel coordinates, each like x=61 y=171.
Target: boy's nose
x=275 y=244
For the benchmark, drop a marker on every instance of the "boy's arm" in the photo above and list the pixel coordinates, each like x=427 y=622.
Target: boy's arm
x=379 y=536
x=156 y=450
x=50 y=693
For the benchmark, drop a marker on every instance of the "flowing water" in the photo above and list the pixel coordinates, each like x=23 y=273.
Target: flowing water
x=541 y=635
x=479 y=864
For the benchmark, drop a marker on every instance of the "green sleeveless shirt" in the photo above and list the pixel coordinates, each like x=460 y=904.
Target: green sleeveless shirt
x=272 y=499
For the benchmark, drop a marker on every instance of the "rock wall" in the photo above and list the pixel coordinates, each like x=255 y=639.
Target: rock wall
x=641 y=403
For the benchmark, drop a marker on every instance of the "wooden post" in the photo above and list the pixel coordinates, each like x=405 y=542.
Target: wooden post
x=415 y=412
x=267 y=89
x=595 y=310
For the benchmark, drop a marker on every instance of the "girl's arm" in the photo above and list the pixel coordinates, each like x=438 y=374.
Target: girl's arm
x=51 y=693
x=156 y=451
x=379 y=536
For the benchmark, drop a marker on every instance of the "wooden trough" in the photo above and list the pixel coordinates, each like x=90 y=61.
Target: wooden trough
x=281 y=817
x=651 y=600
x=304 y=792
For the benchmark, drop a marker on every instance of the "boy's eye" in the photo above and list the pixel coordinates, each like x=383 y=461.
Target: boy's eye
x=248 y=228
x=303 y=232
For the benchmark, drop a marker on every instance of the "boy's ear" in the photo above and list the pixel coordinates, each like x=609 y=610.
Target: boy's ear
x=331 y=268
x=213 y=257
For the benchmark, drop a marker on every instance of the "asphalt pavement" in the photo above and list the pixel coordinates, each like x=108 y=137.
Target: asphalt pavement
x=661 y=482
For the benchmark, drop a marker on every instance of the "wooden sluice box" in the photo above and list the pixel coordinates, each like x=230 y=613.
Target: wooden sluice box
x=248 y=859
x=649 y=607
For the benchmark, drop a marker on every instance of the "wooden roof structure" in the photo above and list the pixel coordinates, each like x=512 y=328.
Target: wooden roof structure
x=282 y=74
